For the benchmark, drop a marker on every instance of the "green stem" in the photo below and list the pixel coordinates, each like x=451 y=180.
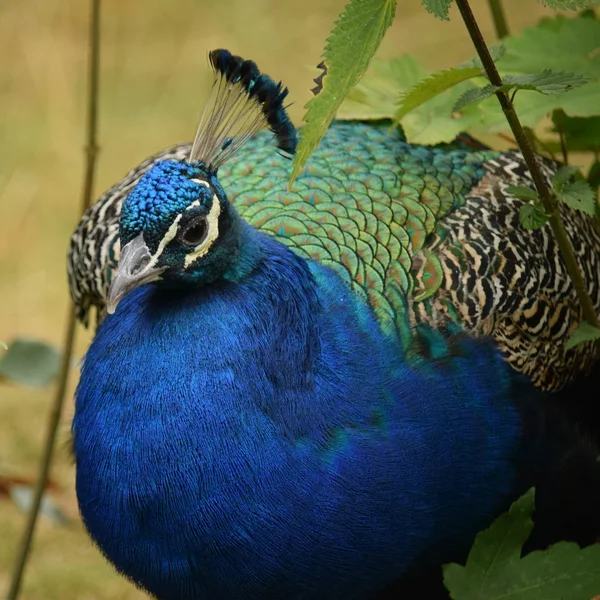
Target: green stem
x=499 y=18
x=57 y=404
x=548 y=200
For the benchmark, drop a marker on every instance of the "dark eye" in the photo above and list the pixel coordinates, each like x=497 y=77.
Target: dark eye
x=195 y=233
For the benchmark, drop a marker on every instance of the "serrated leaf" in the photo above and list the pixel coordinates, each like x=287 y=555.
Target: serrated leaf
x=566 y=4
x=439 y=8
x=522 y=192
x=433 y=86
x=475 y=95
x=532 y=216
x=433 y=122
x=496 y=51
x=544 y=82
x=578 y=195
x=495 y=571
x=584 y=333
x=352 y=43
x=563 y=175
x=376 y=96
x=30 y=362
x=495 y=549
x=569 y=45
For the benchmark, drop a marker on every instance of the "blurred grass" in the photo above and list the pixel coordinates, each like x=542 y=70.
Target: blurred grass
x=154 y=71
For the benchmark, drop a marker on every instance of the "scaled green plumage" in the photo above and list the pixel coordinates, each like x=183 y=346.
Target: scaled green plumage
x=426 y=234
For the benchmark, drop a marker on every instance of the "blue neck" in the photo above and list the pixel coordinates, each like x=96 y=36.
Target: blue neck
x=264 y=426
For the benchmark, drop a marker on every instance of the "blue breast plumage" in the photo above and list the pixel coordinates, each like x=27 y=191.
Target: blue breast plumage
x=270 y=416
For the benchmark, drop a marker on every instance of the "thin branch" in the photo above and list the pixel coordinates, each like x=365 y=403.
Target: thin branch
x=563 y=143
x=542 y=144
x=546 y=196
x=499 y=17
x=57 y=404
x=507 y=138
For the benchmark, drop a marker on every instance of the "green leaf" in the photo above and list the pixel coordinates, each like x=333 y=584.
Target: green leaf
x=563 y=175
x=3 y=345
x=568 y=45
x=495 y=571
x=496 y=51
x=567 y=4
x=475 y=95
x=435 y=123
x=571 y=46
x=522 y=192
x=580 y=133
x=532 y=216
x=376 y=97
x=578 y=195
x=439 y=8
x=544 y=82
x=496 y=549
x=433 y=86
x=352 y=43
x=30 y=362
x=584 y=333
x=376 y=94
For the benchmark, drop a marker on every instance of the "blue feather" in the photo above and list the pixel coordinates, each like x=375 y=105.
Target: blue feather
x=282 y=446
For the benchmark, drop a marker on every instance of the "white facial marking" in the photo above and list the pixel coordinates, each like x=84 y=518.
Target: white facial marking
x=200 y=182
x=169 y=235
x=212 y=222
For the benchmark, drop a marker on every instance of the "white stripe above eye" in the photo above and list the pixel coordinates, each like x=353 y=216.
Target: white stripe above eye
x=212 y=223
x=201 y=182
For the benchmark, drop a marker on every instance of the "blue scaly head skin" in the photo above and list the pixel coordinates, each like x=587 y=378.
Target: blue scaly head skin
x=178 y=227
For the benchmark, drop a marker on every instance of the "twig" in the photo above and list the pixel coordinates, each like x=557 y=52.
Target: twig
x=541 y=144
x=57 y=404
x=546 y=196
x=507 y=138
x=499 y=18
x=563 y=143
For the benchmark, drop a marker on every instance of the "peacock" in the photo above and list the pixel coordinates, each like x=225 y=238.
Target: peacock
x=317 y=392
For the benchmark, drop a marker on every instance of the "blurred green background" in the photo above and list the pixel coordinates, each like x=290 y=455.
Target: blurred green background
x=154 y=75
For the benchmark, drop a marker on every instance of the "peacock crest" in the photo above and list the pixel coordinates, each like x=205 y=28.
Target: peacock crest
x=242 y=102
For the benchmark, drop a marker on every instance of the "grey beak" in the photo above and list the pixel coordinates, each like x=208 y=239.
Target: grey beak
x=135 y=269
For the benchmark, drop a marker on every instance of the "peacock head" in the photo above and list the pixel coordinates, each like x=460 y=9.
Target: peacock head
x=177 y=225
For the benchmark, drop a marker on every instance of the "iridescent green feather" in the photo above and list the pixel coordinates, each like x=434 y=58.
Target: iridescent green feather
x=366 y=204
x=425 y=235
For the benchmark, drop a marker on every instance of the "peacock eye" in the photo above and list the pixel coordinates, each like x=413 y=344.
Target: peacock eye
x=195 y=233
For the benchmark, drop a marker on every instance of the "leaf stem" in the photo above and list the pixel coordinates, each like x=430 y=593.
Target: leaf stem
x=546 y=196
x=91 y=151
x=499 y=17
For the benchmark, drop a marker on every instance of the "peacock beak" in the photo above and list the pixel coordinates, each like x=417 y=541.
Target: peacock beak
x=135 y=268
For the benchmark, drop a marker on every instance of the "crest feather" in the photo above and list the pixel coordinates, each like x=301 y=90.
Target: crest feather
x=242 y=101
